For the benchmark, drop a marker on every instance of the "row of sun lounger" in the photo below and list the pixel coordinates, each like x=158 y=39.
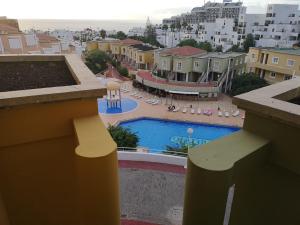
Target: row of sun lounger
x=207 y=112
x=136 y=95
x=226 y=114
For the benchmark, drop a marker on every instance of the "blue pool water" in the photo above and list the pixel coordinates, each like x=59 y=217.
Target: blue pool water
x=156 y=133
x=126 y=106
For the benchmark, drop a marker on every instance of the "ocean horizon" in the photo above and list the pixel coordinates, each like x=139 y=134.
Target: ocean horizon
x=77 y=25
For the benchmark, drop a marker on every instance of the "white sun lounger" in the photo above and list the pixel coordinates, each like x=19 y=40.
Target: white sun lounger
x=176 y=109
x=227 y=114
x=150 y=101
x=220 y=114
x=192 y=111
x=155 y=102
x=133 y=94
x=124 y=90
x=184 y=110
x=236 y=113
x=199 y=111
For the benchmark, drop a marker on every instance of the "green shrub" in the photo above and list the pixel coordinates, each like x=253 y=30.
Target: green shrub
x=124 y=137
x=245 y=83
x=96 y=61
x=123 y=71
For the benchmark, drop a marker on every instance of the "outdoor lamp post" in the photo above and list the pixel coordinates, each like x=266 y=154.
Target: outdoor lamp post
x=190 y=131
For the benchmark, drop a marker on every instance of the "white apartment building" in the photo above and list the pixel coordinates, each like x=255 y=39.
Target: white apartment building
x=280 y=27
x=226 y=24
x=136 y=31
x=221 y=24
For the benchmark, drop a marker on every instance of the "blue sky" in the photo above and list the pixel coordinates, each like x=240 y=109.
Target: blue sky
x=113 y=9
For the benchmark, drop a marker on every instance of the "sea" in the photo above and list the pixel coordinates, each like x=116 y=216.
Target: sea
x=78 y=25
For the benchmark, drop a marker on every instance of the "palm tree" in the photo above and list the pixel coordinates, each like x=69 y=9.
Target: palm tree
x=178 y=26
x=184 y=25
x=172 y=27
x=189 y=28
x=103 y=34
x=165 y=28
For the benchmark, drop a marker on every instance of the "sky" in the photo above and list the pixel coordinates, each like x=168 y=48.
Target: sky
x=113 y=9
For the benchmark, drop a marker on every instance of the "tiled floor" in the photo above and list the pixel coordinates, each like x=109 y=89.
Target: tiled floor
x=152 y=166
x=132 y=222
x=160 y=111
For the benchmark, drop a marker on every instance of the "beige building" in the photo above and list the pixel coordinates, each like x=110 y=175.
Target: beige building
x=14 y=41
x=274 y=64
x=192 y=66
x=137 y=54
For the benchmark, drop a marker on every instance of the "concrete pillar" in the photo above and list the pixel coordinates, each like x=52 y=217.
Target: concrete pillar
x=97 y=173
x=187 y=77
x=206 y=195
x=230 y=83
x=3 y=214
x=261 y=73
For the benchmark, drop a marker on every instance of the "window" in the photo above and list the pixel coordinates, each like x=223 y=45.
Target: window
x=196 y=64
x=290 y=62
x=15 y=42
x=179 y=66
x=241 y=61
x=1 y=47
x=30 y=40
x=273 y=75
x=216 y=65
x=141 y=58
x=164 y=64
x=253 y=56
x=275 y=60
x=287 y=77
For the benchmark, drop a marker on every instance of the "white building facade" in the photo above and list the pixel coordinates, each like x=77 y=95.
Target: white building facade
x=227 y=24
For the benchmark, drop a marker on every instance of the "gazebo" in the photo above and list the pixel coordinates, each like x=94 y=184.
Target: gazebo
x=113 y=94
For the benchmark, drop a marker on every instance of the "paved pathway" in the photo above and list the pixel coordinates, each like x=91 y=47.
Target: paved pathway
x=151 y=195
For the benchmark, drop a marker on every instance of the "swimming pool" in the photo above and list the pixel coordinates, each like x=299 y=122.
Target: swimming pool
x=156 y=134
x=126 y=106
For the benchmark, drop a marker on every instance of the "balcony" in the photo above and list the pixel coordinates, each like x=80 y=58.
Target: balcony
x=239 y=179
x=146 y=78
x=272 y=67
x=55 y=152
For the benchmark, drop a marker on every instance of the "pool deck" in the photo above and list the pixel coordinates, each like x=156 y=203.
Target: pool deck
x=161 y=110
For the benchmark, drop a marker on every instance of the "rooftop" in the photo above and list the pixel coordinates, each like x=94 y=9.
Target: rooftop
x=46 y=38
x=290 y=51
x=8 y=28
x=143 y=47
x=222 y=55
x=130 y=41
x=183 y=51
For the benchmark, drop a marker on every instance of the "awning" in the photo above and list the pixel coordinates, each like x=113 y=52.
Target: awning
x=183 y=92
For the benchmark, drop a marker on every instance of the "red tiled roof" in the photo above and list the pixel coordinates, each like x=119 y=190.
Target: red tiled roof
x=8 y=28
x=130 y=41
x=183 y=51
x=46 y=38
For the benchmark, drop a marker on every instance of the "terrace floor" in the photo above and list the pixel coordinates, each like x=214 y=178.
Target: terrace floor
x=161 y=110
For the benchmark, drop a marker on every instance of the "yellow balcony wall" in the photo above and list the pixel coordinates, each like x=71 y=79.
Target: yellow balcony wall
x=58 y=164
